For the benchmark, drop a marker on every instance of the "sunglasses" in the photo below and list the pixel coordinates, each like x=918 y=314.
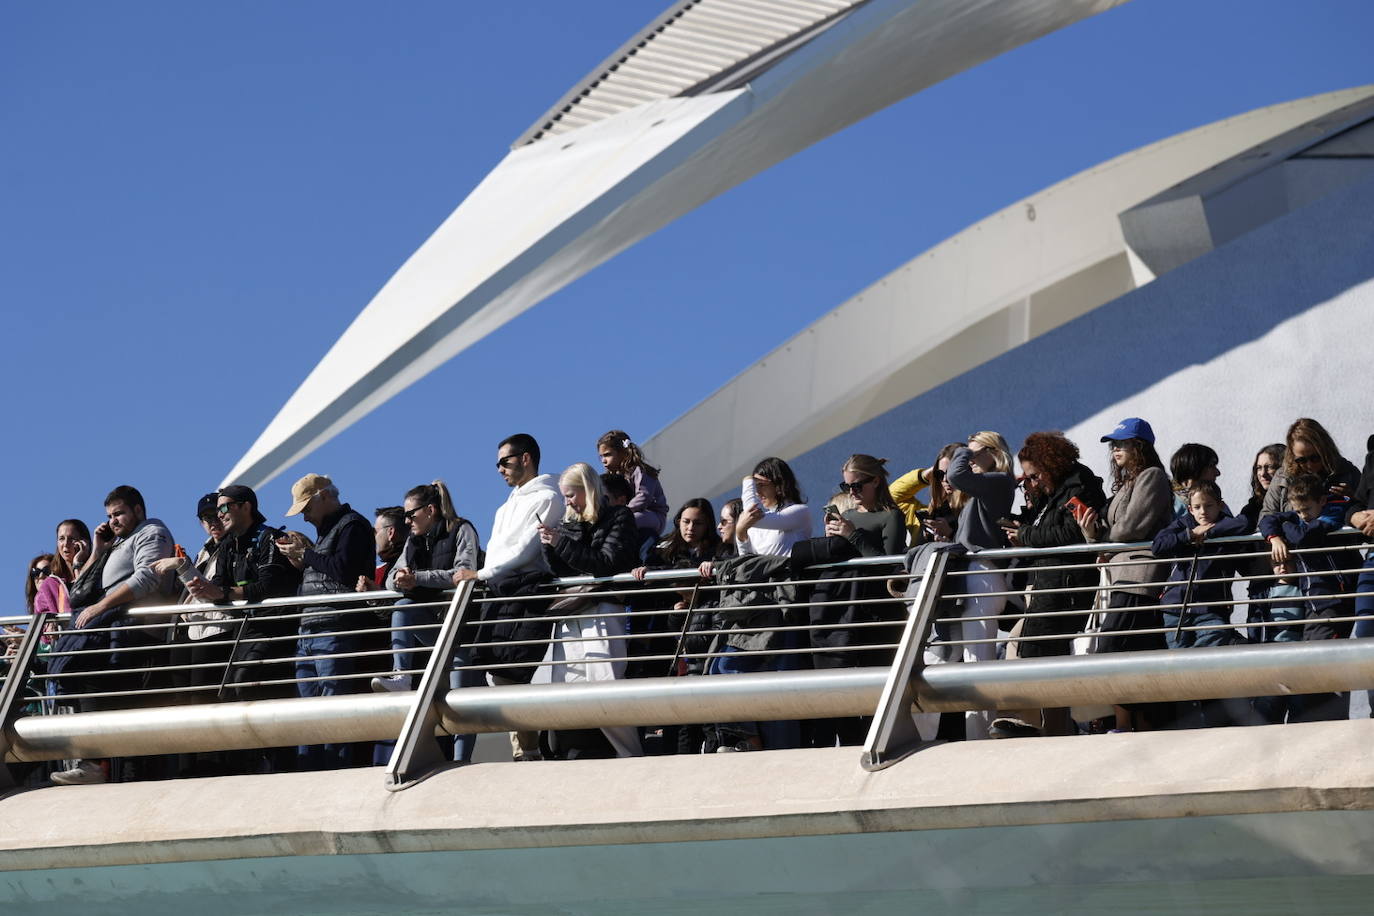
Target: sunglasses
x=410 y=516
x=223 y=510
x=856 y=486
x=506 y=462
x=1307 y=459
x=40 y=572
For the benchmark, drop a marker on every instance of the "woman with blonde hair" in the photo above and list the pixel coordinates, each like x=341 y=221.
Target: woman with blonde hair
x=984 y=490
x=594 y=539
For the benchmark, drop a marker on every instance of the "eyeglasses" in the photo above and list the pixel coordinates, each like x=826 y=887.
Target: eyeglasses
x=223 y=509
x=409 y=516
x=856 y=486
x=503 y=464
x=40 y=572
x=1307 y=459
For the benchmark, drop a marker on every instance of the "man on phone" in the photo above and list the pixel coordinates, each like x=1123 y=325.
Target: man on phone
x=324 y=651
x=515 y=560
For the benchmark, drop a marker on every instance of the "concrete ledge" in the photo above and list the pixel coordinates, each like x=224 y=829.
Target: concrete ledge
x=1292 y=768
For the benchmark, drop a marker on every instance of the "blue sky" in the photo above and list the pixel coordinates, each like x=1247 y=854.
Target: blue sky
x=198 y=199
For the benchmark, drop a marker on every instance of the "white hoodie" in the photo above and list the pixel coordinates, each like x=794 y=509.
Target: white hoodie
x=514 y=544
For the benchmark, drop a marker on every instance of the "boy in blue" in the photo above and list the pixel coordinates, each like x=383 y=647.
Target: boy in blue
x=1315 y=581
x=1207 y=519
x=1314 y=576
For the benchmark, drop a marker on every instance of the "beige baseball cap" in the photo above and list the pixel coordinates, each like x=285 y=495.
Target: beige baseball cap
x=306 y=489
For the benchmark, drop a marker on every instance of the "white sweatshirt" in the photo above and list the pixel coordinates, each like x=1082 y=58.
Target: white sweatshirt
x=514 y=544
x=778 y=530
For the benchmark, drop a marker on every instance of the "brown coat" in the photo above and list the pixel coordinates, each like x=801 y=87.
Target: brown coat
x=1137 y=512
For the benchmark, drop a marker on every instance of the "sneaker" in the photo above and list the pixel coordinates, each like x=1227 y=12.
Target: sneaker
x=528 y=757
x=737 y=748
x=1012 y=728
x=397 y=683
x=85 y=773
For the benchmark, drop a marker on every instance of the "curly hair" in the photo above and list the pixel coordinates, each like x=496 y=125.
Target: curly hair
x=1052 y=453
x=1139 y=456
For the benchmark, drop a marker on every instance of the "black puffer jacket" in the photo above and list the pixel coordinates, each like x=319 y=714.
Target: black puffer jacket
x=608 y=546
x=1049 y=522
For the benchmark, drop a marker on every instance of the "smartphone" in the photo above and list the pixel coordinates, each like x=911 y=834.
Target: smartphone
x=922 y=516
x=831 y=511
x=1076 y=505
x=1008 y=522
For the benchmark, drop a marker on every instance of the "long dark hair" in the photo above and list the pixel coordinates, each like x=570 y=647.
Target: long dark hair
x=939 y=502
x=1188 y=463
x=1276 y=452
x=775 y=471
x=676 y=547
x=30 y=583
x=60 y=566
x=1139 y=456
x=631 y=457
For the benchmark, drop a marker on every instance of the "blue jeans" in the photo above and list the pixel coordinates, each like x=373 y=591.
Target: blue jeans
x=309 y=647
x=1201 y=615
x=1292 y=609
x=403 y=642
x=775 y=735
x=463 y=744
x=1364 y=607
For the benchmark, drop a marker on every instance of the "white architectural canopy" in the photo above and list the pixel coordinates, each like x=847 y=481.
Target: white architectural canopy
x=712 y=93
x=1035 y=266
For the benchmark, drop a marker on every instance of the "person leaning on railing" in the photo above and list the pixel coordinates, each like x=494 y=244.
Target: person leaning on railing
x=1056 y=483
x=127 y=547
x=594 y=539
x=873 y=527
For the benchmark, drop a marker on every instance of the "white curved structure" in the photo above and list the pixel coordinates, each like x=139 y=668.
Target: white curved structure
x=712 y=93
x=1159 y=269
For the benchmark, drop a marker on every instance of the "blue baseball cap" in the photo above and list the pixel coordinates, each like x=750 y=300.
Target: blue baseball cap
x=1131 y=428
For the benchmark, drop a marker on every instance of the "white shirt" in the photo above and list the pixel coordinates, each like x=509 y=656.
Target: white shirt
x=514 y=545
x=775 y=533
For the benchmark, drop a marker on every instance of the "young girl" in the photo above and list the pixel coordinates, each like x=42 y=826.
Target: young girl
x=621 y=456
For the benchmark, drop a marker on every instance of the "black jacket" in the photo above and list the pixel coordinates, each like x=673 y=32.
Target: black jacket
x=1049 y=522
x=1215 y=563
x=1364 y=490
x=438 y=550
x=604 y=548
x=253 y=560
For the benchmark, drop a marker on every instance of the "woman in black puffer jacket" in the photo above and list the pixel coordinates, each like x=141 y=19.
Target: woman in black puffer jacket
x=1053 y=477
x=594 y=539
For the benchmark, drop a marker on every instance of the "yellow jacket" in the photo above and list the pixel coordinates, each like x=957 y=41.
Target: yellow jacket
x=904 y=490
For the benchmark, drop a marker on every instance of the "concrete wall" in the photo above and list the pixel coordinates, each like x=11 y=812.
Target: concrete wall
x=1226 y=350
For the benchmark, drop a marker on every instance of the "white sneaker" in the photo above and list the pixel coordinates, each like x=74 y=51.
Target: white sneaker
x=85 y=773
x=397 y=683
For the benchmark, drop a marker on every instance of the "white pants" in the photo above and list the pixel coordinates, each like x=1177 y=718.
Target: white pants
x=593 y=654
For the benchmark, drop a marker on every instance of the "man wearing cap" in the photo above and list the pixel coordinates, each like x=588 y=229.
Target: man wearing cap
x=342 y=552
x=249 y=566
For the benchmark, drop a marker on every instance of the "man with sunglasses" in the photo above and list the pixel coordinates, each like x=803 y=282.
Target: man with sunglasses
x=248 y=566
x=514 y=565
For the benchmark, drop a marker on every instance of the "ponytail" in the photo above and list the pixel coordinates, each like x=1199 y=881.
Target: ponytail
x=435 y=494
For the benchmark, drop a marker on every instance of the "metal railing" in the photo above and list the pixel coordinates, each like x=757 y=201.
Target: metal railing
x=143 y=697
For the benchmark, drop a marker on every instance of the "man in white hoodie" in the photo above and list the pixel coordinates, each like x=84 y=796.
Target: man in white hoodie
x=514 y=546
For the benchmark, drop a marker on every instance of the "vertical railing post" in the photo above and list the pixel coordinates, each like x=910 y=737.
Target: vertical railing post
x=893 y=734
x=417 y=752
x=12 y=691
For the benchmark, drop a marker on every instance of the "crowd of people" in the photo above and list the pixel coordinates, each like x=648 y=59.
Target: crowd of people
x=745 y=606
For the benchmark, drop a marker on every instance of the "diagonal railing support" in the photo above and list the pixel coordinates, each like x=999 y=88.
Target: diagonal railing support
x=12 y=691
x=417 y=752
x=893 y=734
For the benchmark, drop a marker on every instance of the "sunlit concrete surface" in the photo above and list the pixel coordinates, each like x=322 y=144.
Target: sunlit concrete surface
x=1223 y=820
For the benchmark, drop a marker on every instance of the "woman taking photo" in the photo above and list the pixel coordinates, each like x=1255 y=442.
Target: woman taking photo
x=775 y=515
x=594 y=539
